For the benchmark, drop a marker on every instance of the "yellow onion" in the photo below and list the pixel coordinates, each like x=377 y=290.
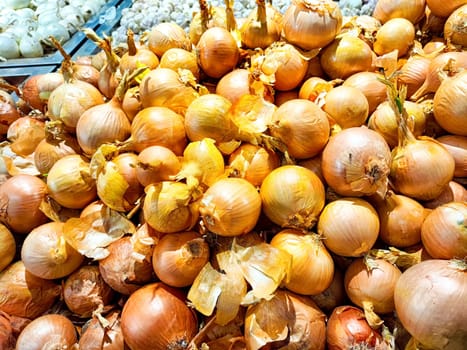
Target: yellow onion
x=349 y=226
x=444 y=232
x=457 y=147
x=157 y=317
x=230 y=207
x=454 y=192
x=21 y=197
x=53 y=331
x=163 y=87
x=69 y=182
x=315 y=88
x=7 y=247
x=286 y=320
x=25 y=134
x=164 y=36
x=370 y=284
x=37 y=88
x=292 y=196
x=8 y=111
x=262 y=27
x=155 y=164
x=370 y=85
x=208 y=16
x=85 y=292
x=455 y=31
x=97 y=335
x=311 y=24
x=449 y=104
x=86 y=72
x=252 y=162
x=346 y=55
x=356 y=162
x=444 y=9
x=347 y=106
x=177 y=58
x=46 y=254
x=302 y=126
x=158 y=126
x=413 y=73
x=384 y=121
x=218 y=52
x=131 y=103
x=396 y=34
x=137 y=56
x=408 y=9
x=179 y=257
x=171 y=206
x=312 y=266
x=24 y=294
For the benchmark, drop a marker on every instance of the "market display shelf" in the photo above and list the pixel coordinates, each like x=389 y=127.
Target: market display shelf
x=24 y=67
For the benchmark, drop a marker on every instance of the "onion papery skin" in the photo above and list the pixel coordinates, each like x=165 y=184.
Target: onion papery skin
x=69 y=182
x=46 y=254
x=369 y=84
x=450 y=104
x=292 y=196
x=95 y=337
x=355 y=162
x=408 y=9
x=457 y=147
x=375 y=285
x=347 y=328
x=105 y=123
x=48 y=152
x=349 y=225
x=424 y=294
x=69 y=100
x=8 y=111
x=444 y=231
x=455 y=29
x=413 y=73
x=421 y=169
x=345 y=56
x=158 y=126
x=230 y=207
x=291 y=72
x=312 y=265
x=302 y=126
x=20 y=199
x=25 y=295
x=52 y=331
x=122 y=271
x=311 y=24
x=156 y=317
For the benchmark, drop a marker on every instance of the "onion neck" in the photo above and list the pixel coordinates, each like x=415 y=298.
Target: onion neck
x=59 y=253
x=230 y=21
x=261 y=12
x=204 y=15
x=131 y=43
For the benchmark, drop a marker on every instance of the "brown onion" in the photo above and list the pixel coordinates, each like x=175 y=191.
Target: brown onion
x=350 y=226
x=24 y=294
x=46 y=254
x=51 y=331
x=157 y=317
x=179 y=257
x=21 y=197
x=422 y=296
x=84 y=291
x=347 y=106
x=98 y=336
x=457 y=147
x=444 y=233
x=312 y=268
x=370 y=85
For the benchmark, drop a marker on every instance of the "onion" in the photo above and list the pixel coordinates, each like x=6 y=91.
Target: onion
x=177 y=58
x=311 y=24
x=449 y=104
x=70 y=183
x=207 y=17
x=334 y=295
x=350 y=226
x=21 y=197
x=155 y=164
x=37 y=89
x=230 y=207
x=370 y=285
x=98 y=336
x=396 y=34
x=7 y=247
x=408 y=9
x=444 y=232
x=443 y=9
x=413 y=73
x=234 y=84
x=158 y=126
x=347 y=106
x=218 y=52
x=85 y=292
x=292 y=196
x=454 y=192
x=131 y=103
x=51 y=331
x=315 y=88
x=423 y=294
x=156 y=317
x=8 y=111
x=312 y=268
x=179 y=257
x=345 y=56
x=455 y=31
x=7 y=337
x=355 y=162
x=165 y=36
x=25 y=133
x=348 y=328
x=25 y=295
x=46 y=254
x=370 y=85
x=457 y=147
x=137 y=56
x=128 y=265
